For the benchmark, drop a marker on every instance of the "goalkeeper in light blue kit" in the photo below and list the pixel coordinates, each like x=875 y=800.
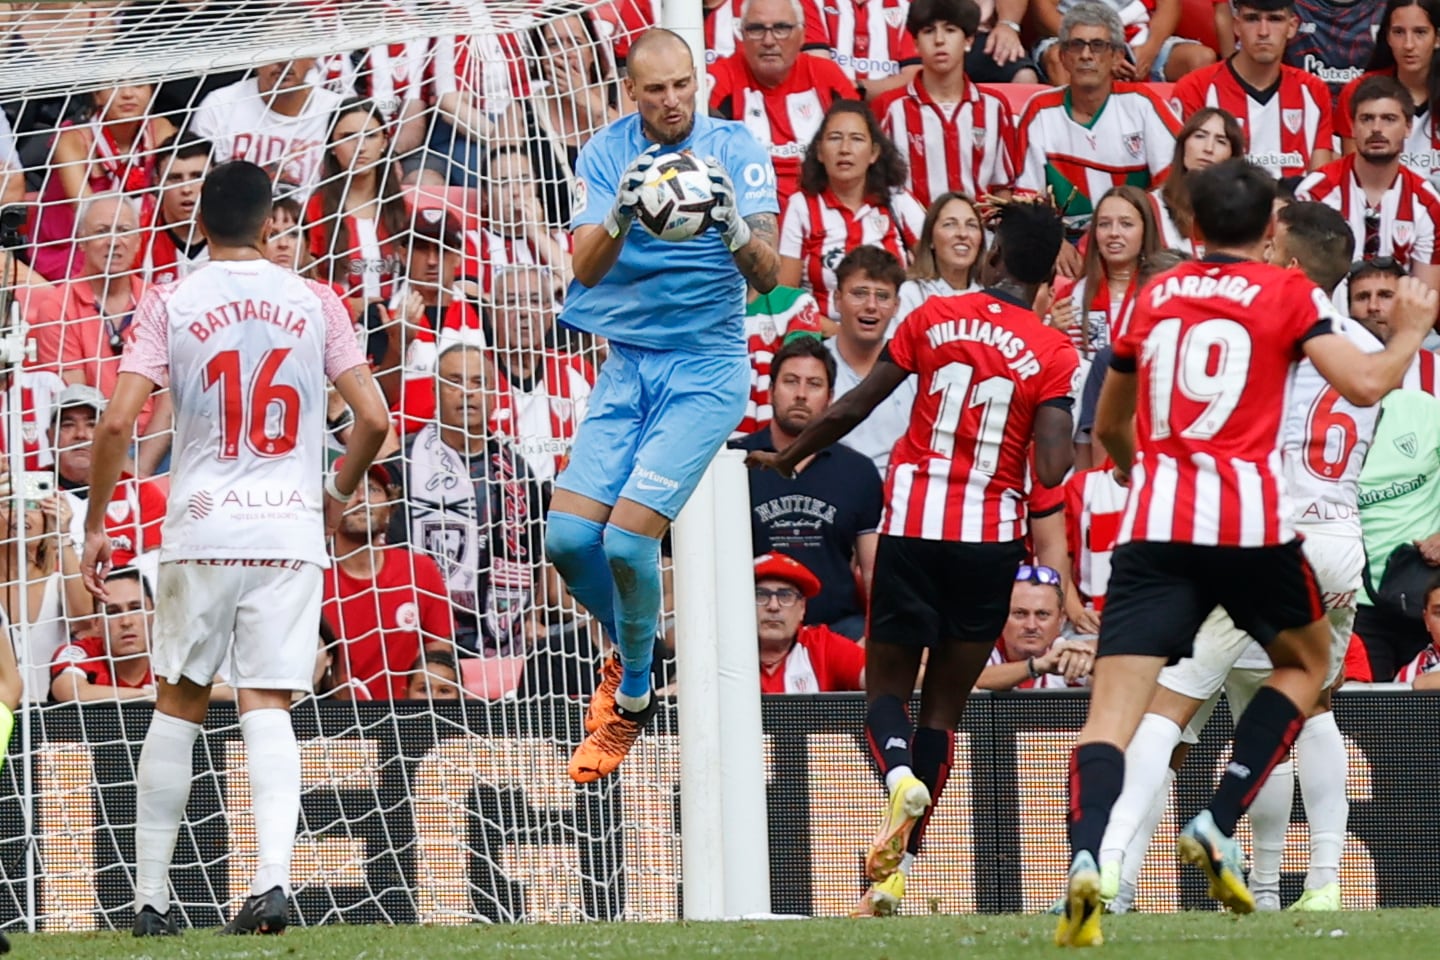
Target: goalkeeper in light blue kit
x=677 y=377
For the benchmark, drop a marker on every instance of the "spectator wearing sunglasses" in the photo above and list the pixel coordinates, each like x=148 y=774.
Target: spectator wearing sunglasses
x=779 y=95
x=1030 y=654
x=794 y=658
x=1372 y=286
x=1391 y=209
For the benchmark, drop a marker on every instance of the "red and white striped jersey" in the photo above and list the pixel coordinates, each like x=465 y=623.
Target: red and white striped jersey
x=1422 y=146
x=818 y=230
x=1102 y=317
x=1094 y=505
x=984 y=365
x=162 y=259
x=1284 y=125
x=784 y=118
x=867 y=38
x=1427 y=661
x=721 y=22
x=966 y=146
x=397 y=72
x=1215 y=344
x=1131 y=140
x=540 y=416
x=1423 y=374
x=36 y=392
x=1170 y=236
x=1409 y=211
x=487 y=251
x=246 y=348
x=1046 y=681
x=1324 y=440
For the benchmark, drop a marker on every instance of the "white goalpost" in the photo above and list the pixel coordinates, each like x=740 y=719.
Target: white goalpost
x=446 y=226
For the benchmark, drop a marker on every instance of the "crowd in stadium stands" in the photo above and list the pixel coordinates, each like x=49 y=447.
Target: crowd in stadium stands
x=430 y=183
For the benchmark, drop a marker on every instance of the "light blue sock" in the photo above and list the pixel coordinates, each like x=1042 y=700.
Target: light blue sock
x=576 y=546
x=635 y=568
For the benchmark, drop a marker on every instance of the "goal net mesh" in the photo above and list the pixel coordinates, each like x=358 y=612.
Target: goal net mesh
x=422 y=153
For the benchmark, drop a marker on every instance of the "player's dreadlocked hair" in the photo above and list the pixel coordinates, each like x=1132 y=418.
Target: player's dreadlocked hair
x=1030 y=232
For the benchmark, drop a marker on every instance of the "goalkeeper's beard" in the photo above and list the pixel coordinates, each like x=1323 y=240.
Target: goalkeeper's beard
x=656 y=136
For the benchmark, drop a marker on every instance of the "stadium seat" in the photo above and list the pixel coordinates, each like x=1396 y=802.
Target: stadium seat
x=491 y=678
x=1197 y=22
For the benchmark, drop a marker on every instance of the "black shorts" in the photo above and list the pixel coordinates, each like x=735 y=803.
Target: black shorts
x=927 y=591
x=1160 y=593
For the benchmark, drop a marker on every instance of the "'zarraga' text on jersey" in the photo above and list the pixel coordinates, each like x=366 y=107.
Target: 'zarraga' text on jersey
x=1215 y=344
x=985 y=363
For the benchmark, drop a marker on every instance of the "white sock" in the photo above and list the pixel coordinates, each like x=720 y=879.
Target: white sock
x=895 y=775
x=1324 y=768
x=1146 y=761
x=1270 y=819
x=907 y=860
x=632 y=704
x=273 y=758
x=162 y=788
x=1140 y=843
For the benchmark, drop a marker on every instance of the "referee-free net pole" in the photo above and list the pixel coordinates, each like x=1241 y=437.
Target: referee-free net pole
x=724 y=840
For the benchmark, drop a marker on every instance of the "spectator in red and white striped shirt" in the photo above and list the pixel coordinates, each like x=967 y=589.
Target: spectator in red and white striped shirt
x=1391 y=209
x=867 y=38
x=1372 y=287
x=171 y=245
x=1094 y=506
x=1423 y=673
x=356 y=216
x=1030 y=654
x=780 y=96
x=515 y=230
x=956 y=136
x=851 y=195
x=540 y=393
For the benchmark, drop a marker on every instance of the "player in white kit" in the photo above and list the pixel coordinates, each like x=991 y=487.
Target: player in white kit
x=1324 y=439
x=245 y=347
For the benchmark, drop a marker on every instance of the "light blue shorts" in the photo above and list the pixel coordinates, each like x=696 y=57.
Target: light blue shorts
x=654 y=423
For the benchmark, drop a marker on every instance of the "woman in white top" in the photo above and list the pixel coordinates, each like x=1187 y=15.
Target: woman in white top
x=946 y=255
x=1210 y=136
x=54 y=593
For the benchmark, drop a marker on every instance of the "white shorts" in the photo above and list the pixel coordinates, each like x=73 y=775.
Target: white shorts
x=269 y=609
x=1221 y=647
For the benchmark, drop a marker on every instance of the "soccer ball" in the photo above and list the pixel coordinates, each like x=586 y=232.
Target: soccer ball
x=676 y=200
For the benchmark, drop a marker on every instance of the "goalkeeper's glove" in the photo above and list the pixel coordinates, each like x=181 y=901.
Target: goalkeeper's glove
x=733 y=228
x=627 y=192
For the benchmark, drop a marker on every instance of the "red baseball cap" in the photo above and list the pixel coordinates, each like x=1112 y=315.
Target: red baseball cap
x=780 y=567
x=376 y=472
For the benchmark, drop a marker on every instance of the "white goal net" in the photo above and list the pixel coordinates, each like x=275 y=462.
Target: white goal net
x=422 y=153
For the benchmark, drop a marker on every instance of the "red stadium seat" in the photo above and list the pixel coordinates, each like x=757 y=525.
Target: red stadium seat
x=1197 y=22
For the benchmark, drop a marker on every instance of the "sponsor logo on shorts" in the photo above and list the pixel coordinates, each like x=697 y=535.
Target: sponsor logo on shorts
x=896 y=742
x=650 y=480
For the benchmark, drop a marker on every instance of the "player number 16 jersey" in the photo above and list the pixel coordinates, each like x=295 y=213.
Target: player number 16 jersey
x=247 y=347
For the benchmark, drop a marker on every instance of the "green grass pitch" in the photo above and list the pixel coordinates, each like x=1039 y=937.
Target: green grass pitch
x=1409 y=934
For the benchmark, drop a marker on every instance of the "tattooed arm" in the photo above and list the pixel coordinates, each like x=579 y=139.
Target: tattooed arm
x=758 y=259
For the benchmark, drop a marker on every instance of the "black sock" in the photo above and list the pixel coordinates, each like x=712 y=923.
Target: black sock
x=933 y=751
x=887 y=726
x=1263 y=737
x=1097 y=773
